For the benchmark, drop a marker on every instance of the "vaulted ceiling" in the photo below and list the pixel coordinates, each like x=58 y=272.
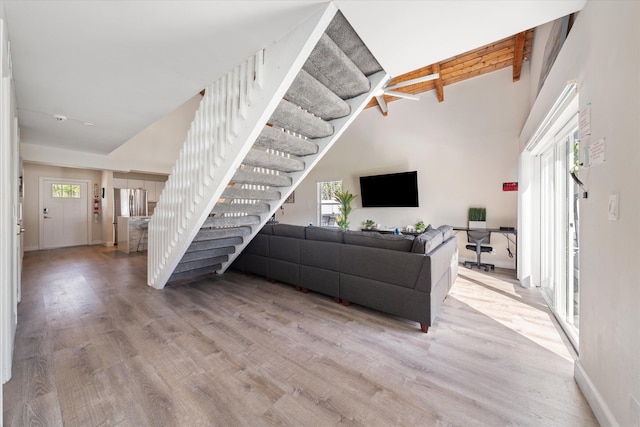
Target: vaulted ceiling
x=508 y=52
x=122 y=65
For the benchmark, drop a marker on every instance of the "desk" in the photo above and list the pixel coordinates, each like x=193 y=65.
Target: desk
x=505 y=232
x=391 y=231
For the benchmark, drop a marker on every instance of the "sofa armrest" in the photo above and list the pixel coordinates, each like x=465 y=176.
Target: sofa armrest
x=436 y=264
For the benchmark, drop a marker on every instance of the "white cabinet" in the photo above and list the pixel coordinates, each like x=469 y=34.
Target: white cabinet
x=135 y=183
x=150 y=186
x=154 y=188
x=120 y=183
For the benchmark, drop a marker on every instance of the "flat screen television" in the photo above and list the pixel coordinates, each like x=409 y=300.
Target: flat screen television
x=390 y=190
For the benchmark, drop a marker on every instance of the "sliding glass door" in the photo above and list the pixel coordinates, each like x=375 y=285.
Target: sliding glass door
x=559 y=243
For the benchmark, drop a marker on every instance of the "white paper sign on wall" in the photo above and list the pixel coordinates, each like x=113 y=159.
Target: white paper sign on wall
x=597 y=152
x=584 y=120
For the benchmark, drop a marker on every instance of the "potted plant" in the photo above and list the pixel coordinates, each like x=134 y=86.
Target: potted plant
x=477 y=217
x=420 y=227
x=369 y=224
x=344 y=198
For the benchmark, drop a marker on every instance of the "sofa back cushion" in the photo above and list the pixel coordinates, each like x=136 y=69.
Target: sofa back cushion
x=267 y=229
x=324 y=234
x=289 y=230
x=427 y=241
x=376 y=240
x=258 y=246
x=447 y=231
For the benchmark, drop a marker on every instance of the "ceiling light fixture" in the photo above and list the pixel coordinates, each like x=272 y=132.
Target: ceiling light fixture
x=60 y=117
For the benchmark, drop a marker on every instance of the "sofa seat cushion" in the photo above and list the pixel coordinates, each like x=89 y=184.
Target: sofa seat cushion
x=376 y=240
x=427 y=241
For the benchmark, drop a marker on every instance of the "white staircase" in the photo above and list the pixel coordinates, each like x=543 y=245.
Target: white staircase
x=258 y=132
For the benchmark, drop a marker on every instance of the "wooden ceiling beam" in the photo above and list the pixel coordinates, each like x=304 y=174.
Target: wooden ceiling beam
x=518 y=55
x=512 y=51
x=438 y=83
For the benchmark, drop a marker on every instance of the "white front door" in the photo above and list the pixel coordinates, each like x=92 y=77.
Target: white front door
x=64 y=216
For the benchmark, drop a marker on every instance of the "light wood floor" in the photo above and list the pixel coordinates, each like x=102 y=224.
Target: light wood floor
x=96 y=346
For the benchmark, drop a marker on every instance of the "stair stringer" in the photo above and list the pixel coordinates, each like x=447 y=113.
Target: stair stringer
x=216 y=144
x=357 y=104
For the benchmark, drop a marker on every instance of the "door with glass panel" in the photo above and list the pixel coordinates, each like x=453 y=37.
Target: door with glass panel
x=64 y=214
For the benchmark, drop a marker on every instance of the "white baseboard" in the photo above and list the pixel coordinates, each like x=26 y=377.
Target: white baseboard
x=31 y=248
x=108 y=244
x=598 y=405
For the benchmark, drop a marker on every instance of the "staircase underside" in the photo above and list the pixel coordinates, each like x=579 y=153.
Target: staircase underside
x=332 y=87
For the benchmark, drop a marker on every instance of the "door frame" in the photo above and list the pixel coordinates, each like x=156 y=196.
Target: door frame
x=41 y=206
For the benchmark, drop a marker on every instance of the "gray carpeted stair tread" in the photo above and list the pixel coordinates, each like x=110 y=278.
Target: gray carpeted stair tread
x=343 y=35
x=210 y=253
x=308 y=93
x=335 y=71
x=277 y=139
x=230 y=221
x=203 y=245
x=263 y=159
x=331 y=67
x=244 y=176
x=195 y=273
x=250 y=208
x=230 y=193
x=222 y=233
x=291 y=117
x=201 y=263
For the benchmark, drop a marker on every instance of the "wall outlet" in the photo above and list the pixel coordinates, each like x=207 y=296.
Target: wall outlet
x=613 y=207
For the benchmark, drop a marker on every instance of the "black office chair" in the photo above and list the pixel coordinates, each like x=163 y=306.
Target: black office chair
x=479 y=239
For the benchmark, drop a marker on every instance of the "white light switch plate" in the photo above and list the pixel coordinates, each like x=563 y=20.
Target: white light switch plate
x=613 y=207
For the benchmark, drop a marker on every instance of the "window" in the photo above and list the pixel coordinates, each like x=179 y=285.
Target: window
x=65 y=190
x=327 y=205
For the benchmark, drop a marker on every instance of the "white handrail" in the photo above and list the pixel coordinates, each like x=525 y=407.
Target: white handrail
x=213 y=128
x=232 y=114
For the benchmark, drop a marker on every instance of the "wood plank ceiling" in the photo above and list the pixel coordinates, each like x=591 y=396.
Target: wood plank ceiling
x=511 y=51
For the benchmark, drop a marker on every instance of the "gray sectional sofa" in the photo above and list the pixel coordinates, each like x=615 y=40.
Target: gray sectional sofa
x=396 y=274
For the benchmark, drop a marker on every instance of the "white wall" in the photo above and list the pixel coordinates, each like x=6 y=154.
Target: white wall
x=463 y=150
x=602 y=53
x=32 y=175
x=10 y=253
x=154 y=150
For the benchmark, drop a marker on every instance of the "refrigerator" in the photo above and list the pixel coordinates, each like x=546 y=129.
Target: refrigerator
x=128 y=202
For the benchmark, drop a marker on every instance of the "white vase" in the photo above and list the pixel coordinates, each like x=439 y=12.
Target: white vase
x=478 y=224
